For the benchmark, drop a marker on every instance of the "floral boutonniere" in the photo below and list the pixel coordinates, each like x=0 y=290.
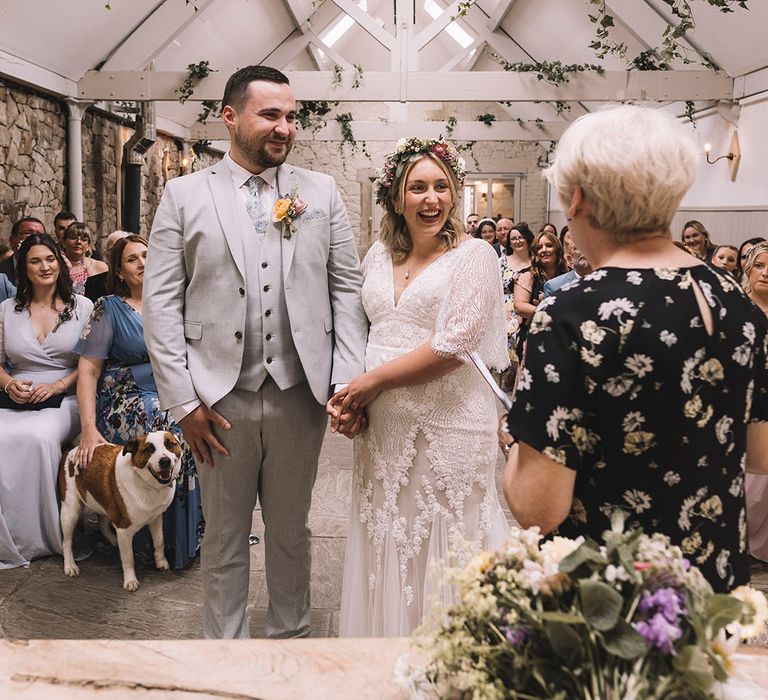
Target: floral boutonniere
x=286 y=210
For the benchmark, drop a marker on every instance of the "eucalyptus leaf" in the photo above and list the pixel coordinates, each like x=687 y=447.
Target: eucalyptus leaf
x=720 y=610
x=601 y=604
x=567 y=618
x=692 y=662
x=587 y=553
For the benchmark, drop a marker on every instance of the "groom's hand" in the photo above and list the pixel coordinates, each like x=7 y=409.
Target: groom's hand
x=197 y=427
x=348 y=423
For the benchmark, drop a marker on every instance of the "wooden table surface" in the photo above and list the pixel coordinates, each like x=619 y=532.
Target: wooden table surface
x=236 y=670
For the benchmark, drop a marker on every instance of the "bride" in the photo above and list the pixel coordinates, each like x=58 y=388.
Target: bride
x=424 y=479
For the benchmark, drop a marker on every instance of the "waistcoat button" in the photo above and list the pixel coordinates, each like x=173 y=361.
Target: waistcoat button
x=238 y=335
x=264 y=264
x=268 y=312
x=242 y=292
x=269 y=360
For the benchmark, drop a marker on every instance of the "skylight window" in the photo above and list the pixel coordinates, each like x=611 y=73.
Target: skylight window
x=454 y=30
x=341 y=27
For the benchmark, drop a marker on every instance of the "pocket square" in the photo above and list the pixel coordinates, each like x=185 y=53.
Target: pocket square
x=312 y=214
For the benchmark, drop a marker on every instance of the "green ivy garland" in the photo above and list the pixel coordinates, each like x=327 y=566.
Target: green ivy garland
x=553 y=72
x=486 y=118
x=348 y=136
x=195 y=73
x=210 y=108
x=311 y=114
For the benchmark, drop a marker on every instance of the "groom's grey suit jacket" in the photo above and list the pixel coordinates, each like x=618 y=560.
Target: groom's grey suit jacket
x=210 y=288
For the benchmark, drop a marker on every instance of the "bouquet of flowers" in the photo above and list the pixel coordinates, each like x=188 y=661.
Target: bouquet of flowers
x=572 y=619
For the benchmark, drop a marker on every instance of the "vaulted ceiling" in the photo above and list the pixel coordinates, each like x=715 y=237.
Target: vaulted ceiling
x=410 y=52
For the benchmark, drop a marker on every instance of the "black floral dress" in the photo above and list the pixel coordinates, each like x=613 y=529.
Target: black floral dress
x=623 y=383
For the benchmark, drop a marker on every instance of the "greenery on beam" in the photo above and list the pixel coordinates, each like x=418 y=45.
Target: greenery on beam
x=311 y=115
x=486 y=118
x=670 y=47
x=348 y=136
x=555 y=73
x=195 y=73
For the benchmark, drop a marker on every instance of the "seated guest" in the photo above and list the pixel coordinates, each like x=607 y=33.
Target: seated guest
x=645 y=386
x=39 y=328
x=75 y=244
x=725 y=257
x=744 y=249
x=486 y=230
x=96 y=285
x=118 y=398
x=696 y=237
x=547 y=262
x=579 y=268
x=7 y=289
x=22 y=228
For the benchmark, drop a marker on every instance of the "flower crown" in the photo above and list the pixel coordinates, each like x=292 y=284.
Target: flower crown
x=409 y=150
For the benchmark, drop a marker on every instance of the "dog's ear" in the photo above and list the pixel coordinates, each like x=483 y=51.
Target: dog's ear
x=131 y=446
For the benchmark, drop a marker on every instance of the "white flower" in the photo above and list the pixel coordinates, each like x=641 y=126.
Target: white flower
x=664 y=273
x=634 y=277
x=737 y=485
x=556 y=421
x=540 y=322
x=546 y=303
x=637 y=500
x=616 y=573
x=558 y=548
x=639 y=364
x=551 y=373
x=669 y=339
x=721 y=563
x=616 y=386
x=590 y=357
x=749 y=332
x=592 y=332
x=722 y=428
x=524 y=380
x=688 y=366
x=742 y=355
x=616 y=307
x=632 y=421
x=412 y=679
x=596 y=275
x=671 y=478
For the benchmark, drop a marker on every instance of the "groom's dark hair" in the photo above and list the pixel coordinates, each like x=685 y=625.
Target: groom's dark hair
x=238 y=83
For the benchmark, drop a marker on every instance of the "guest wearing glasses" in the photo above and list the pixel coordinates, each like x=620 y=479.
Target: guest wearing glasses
x=75 y=244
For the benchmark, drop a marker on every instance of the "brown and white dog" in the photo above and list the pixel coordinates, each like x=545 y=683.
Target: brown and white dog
x=130 y=486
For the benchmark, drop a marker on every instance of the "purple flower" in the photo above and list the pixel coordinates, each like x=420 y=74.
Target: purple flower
x=667 y=601
x=659 y=632
x=515 y=636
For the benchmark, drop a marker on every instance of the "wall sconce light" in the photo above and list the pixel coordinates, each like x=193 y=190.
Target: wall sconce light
x=733 y=155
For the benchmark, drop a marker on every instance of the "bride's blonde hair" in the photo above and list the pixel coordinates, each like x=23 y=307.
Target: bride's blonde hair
x=394 y=232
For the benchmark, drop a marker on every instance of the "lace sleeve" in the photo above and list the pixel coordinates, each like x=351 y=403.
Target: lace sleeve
x=471 y=318
x=96 y=337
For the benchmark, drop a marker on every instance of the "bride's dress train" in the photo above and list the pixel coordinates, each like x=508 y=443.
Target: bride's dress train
x=424 y=485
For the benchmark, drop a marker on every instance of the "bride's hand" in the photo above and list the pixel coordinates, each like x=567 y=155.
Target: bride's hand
x=357 y=394
x=349 y=423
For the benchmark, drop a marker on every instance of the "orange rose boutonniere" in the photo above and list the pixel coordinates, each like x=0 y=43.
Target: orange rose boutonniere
x=286 y=210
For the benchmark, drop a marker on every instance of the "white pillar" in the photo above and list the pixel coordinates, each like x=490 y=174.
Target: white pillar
x=75 y=155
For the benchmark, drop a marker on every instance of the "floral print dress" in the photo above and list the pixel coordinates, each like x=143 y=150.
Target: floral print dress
x=127 y=405
x=623 y=383
x=508 y=278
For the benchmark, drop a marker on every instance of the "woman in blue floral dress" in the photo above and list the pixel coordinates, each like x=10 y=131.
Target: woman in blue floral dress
x=118 y=398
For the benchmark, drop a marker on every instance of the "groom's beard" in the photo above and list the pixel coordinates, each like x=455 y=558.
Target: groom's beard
x=260 y=151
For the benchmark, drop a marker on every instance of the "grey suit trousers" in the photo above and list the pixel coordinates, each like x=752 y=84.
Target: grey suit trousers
x=274 y=445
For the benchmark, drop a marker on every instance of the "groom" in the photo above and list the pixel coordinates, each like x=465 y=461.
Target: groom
x=249 y=324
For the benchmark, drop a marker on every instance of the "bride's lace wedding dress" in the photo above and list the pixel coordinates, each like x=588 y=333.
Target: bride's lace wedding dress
x=424 y=484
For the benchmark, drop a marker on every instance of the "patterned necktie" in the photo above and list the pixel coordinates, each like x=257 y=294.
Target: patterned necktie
x=255 y=211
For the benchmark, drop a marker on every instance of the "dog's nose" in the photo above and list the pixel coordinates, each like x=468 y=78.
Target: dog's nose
x=165 y=462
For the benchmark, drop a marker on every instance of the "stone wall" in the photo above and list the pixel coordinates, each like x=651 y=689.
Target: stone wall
x=100 y=172
x=32 y=156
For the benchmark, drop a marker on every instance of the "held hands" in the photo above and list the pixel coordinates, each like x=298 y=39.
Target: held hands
x=197 y=427
x=346 y=405
x=19 y=390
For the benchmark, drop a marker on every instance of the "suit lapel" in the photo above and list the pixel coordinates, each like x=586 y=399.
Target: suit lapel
x=227 y=206
x=286 y=181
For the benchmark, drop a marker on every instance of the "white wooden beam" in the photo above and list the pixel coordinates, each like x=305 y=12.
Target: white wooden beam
x=499 y=14
x=498 y=40
x=300 y=11
x=436 y=26
x=426 y=86
x=155 y=33
x=382 y=131
x=287 y=50
x=753 y=83
x=329 y=51
x=466 y=59
x=366 y=22
x=26 y=73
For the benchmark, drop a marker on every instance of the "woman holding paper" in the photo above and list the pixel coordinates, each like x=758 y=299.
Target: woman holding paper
x=424 y=481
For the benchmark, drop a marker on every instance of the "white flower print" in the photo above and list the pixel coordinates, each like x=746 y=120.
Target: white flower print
x=557 y=420
x=737 y=485
x=596 y=275
x=524 y=380
x=711 y=371
x=688 y=366
x=748 y=331
x=592 y=332
x=616 y=386
x=637 y=442
x=639 y=364
x=722 y=562
x=552 y=374
x=540 y=322
x=632 y=421
x=546 y=303
x=671 y=478
x=634 y=277
x=665 y=273
x=742 y=354
x=684 y=521
x=669 y=339
x=590 y=385
x=637 y=500
x=722 y=428
x=591 y=357
x=616 y=307
x=695 y=322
